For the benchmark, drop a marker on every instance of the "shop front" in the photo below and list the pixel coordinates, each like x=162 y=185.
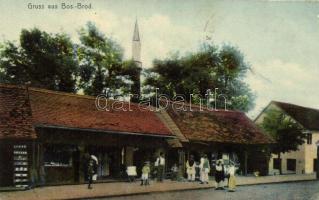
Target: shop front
x=63 y=159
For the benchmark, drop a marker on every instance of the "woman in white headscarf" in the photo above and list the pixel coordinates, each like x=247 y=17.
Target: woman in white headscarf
x=219 y=175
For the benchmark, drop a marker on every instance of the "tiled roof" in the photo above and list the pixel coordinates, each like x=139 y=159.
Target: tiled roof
x=218 y=126
x=307 y=117
x=79 y=111
x=64 y=110
x=15 y=114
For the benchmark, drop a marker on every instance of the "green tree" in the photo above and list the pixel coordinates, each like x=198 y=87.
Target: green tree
x=101 y=66
x=287 y=133
x=209 y=68
x=44 y=60
x=132 y=73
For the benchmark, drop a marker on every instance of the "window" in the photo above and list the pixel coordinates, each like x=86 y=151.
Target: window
x=309 y=138
x=58 y=155
x=314 y=165
x=291 y=164
x=276 y=163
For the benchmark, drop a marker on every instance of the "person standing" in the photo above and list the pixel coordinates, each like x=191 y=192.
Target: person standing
x=190 y=169
x=91 y=169
x=205 y=168
x=145 y=174
x=174 y=172
x=219 y=175
x=231 y=179
x=160 y=164
x=197 y=171
x=96 y=164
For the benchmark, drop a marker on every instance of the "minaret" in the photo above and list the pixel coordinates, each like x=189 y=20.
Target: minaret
x=136 y=46
x=136 y=57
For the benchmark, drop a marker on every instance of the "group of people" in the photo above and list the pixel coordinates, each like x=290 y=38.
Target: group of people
x=221 y=174
x=192 y=166
x=204 y=168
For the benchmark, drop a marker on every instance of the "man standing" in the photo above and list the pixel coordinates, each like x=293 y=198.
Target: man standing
x=205 y=168
x=160 y=164
x=190 y=169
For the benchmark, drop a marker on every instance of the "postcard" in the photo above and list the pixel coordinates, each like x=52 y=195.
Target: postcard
x=150 y=99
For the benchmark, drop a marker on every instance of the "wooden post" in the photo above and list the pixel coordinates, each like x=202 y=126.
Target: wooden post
x=317 y=170
x=245 y=165
x=181 y=157
x=33 y=166
x=82 y=152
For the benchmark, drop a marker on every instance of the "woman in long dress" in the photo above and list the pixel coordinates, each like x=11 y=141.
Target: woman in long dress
x=232 y=179
x=190 y=169
x=219 y=175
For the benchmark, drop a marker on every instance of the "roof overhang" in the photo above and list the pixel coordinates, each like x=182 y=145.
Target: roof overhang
x=103 y=131
x=207 y=143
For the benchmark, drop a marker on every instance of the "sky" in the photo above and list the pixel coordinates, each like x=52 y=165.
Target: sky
x=280 y=39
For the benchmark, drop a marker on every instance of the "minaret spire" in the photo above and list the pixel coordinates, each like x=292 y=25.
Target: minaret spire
x=136 y=45
x=136 y=35
x=136 y=57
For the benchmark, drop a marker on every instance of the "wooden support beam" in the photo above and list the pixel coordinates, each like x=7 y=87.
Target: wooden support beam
x=245 y=165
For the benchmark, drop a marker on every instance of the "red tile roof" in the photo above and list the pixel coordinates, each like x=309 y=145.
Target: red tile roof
x=15 y=114
x=64 y=110
x=218 y=126
x=79 y=111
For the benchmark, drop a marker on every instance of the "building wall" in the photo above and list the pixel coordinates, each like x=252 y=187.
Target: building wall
x=300 y=161
x=304 y=157
x=311 y=152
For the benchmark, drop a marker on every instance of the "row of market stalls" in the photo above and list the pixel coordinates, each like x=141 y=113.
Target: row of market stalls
x=45 y=135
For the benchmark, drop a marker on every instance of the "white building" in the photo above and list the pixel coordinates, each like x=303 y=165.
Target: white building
x=303 y=160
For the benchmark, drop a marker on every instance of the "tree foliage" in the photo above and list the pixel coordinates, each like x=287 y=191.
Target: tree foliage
x=287 y=133
x=41 y=59
x=101 y=64
x=96 y=65
x=209 y=68
x=53 y=61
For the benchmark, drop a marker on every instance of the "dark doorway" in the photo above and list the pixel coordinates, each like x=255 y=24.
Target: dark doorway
x=140 y=156
x=291 y=164
x=172 y=158
x=76 y=165
x=6 y=165
x=276 y=163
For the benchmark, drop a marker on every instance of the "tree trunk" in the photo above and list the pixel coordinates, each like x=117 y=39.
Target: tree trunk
x=246 y=165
